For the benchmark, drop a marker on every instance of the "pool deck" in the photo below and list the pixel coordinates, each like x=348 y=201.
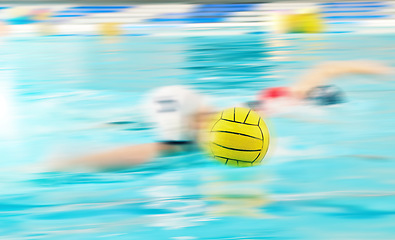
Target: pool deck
x=192 y=19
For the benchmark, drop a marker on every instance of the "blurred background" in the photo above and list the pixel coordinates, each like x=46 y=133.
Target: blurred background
x=70 y=69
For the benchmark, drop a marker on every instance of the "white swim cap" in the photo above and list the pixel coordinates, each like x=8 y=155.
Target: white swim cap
x=171 y=109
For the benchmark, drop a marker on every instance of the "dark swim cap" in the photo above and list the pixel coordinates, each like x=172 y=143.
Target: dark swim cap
x=326 y=95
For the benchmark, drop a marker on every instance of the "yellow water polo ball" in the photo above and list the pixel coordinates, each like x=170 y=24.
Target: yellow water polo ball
x=238 y=137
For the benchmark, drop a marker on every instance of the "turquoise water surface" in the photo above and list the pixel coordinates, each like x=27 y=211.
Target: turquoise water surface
x=331 y=175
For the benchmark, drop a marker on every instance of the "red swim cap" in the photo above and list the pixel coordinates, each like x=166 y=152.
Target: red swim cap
x=274 y=92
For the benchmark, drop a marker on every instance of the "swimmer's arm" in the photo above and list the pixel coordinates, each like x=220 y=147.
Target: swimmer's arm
x=122 y=157
x=324 y=72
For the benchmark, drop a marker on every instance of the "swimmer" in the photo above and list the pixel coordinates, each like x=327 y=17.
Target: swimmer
x=180 y=113
x=315 y=87
x=176 y=111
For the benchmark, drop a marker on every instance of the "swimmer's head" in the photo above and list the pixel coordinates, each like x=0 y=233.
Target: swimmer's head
x=173 y=110
x=275 y=99
x=326 y=95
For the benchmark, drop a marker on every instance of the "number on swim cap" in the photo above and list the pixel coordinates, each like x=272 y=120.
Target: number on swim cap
x=167 y=105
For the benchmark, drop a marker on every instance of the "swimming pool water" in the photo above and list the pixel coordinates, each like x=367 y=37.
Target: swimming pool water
x=330 y=177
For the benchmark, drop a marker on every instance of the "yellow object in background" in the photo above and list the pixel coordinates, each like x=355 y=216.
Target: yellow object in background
x=306 y=21
x=110 y=29
x=311 y=23
x=239 y=137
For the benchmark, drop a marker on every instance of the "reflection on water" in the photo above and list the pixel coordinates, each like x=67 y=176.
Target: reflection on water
x=242 y=196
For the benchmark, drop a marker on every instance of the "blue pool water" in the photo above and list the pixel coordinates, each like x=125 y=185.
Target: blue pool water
x=331 y=175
